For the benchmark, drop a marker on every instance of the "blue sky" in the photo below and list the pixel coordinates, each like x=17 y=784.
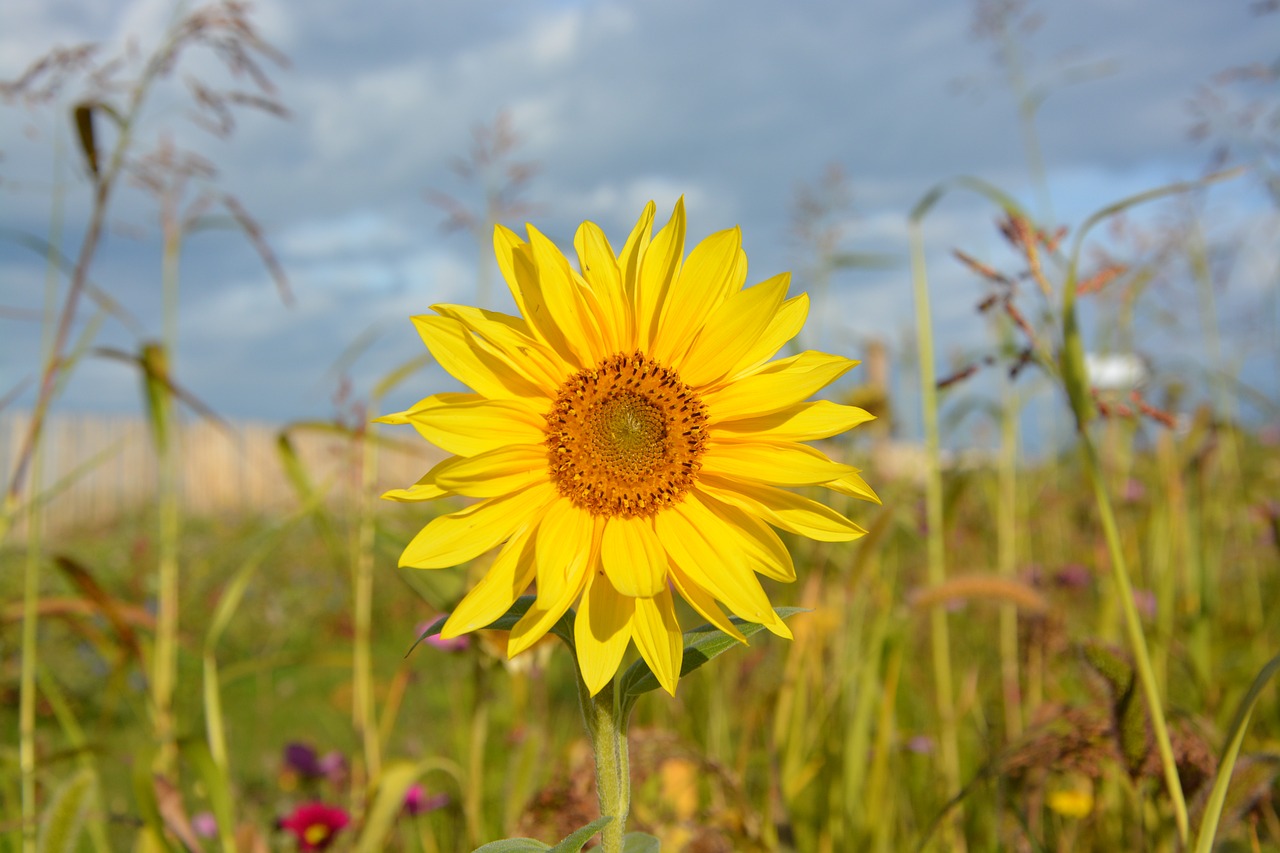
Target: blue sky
x=732 y=105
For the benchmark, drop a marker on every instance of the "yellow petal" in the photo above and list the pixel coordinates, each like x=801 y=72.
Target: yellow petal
x=567 y=549
x=702 y=601
x=733 y=330
x=706 y=279
x=802 y=422
x=515 y=260
x=782 y=464
x=471 y=360
x=768 y=555
x=785 y=326
x=468 y=424
x=658 y=638
x=601 y=631
x=423 y=490
x=565 y=546
x=854 y=486
x=776 y=386
x=658 y=268
x=514 y=340
x=783 y=509
x=633 y=557
x=466 y=534
x=629 y=266
x=710 y=553
x=600 y=268
x=563 y=300
x=495 y=472
x=504 y=582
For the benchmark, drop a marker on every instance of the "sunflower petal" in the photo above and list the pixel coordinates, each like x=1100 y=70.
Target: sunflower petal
x=854 y=486
x=600 y=269
x=470 y=360
x=706 y=279
x=468 y=424
x=786 y=510
x=658 y=268
x=658 y=638
x=702 y=601
x=514 y=340
x=601 y=631
x=564 y=301
x=423 y=490
x=776 y=386
x=768 y=555
x=466 y=534
x=802 y=422
x=494 y=472
x=733 y=330
x=504 y=582
x=782 y=328
x=570 y=542
x=782 y=464
x=633 y=557
x=710 y=553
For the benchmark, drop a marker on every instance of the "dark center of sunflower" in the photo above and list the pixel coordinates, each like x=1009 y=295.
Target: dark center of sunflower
x=624 y=438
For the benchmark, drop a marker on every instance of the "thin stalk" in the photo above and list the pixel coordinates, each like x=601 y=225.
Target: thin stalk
x=164 y=675
x=1007 y=546
x=363 y=715
x=940 y=641
x=1137 y=641
x=31 y=566
x=607 y=730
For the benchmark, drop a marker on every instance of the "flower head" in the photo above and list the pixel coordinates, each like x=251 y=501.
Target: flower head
x=628 y=436
x=417 y=801
x=315 y=825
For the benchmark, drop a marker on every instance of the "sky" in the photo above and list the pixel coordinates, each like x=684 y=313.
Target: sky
x=734 y=105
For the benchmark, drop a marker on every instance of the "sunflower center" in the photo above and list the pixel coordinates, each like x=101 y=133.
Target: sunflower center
x=624 y=438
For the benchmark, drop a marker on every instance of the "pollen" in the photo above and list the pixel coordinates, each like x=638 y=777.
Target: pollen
x=624 y=438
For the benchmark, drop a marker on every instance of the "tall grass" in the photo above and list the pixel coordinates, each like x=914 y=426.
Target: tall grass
x=954 y=684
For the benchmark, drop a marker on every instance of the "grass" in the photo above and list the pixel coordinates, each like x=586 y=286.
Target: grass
x=826 y=743
x=1069 y=653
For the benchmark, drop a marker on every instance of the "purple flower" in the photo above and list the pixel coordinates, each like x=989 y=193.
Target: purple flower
x=1073 y=576
x=453 y=644
x=302 y=759
x=417 y=802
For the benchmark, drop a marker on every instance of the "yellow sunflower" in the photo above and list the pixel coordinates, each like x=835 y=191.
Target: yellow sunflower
x=627 y=438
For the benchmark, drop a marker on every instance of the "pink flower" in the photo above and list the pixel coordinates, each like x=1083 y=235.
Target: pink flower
x=315 y=825
x=417 y=802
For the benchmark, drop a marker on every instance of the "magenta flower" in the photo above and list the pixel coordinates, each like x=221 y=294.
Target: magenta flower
x=455 y=644
x=315 y=825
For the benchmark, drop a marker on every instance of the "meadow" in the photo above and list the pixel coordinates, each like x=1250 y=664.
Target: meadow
x=1072 y=650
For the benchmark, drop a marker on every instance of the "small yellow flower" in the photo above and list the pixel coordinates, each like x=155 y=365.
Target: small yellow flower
x=1073 y=801
x=628 y=436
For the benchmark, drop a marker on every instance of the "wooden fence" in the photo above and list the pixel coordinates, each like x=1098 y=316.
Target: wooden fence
x=98 y=468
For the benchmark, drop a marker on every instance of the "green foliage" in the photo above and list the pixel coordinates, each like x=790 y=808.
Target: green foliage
x=63 y=819
x=572 y=843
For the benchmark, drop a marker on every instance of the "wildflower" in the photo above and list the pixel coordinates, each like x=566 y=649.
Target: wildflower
x=628 y=436
x=416 y=801
x=315 y=825
x=1073 y=801
x=302 y=760
x=205 y=824
x=453 y=644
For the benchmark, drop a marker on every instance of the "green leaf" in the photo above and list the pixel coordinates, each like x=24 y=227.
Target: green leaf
x=562 y=629
x=1218 y=795
x=63 y=820
x=573 y=842
x=217 y=787
x=513 y=845
x=393 y=784
x=638 y=842
x=700 y=645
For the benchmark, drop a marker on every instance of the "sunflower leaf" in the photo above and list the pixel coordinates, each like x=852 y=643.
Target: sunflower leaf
x=562 y=629
x=574 y=841
x=513 y=845
x=700 y=645
x=638 y=842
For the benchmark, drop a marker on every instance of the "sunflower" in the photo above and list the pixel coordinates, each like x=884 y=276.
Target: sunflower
x=629 y=437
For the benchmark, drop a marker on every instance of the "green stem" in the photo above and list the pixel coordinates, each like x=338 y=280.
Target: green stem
x=607 y=729
x=1137 y=641
x=938 y=632
x=363 y=715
